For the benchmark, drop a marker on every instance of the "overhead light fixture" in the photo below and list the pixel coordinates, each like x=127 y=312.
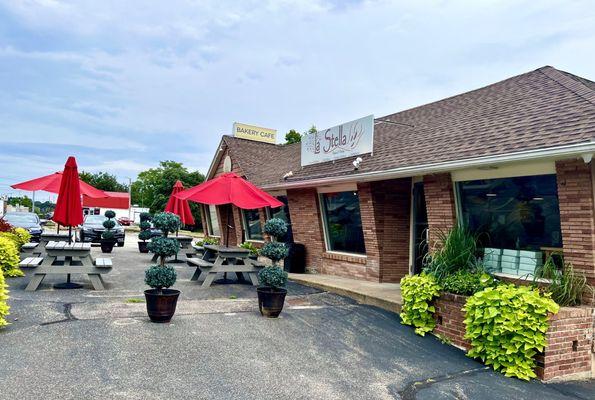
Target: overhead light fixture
x=288 y=175
x=491 y=194
x=357 y=162
x=538 y=198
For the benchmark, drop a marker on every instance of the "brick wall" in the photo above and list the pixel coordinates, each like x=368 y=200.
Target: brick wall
x=575 y=194
x=303 y=208
x=450 y=319
x=440 y=205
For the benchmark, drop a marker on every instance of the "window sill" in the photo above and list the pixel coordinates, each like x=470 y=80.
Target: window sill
x=254 y=241
x=349 y=257
x=526 y=278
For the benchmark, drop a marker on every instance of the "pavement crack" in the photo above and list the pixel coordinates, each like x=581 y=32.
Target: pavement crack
x=410 y=391
x=67 y=313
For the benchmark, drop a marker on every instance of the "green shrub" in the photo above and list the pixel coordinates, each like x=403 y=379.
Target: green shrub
x=466 y=283
x=208 y=240
x=506 y=326
x=145 y=225
x=275 y=227
x=164 y=247
x=109 y=224
x=4 y=308
x=159 y=276
x=167 y=222
x=250 y=246
x=273 y=277
x=144 y=235
x=9 y=257
x=454 y=251
x=418 y=292
x=275 y=251
x=145 y=217
x=23 y=235
x=110 y=214
x=567 y=286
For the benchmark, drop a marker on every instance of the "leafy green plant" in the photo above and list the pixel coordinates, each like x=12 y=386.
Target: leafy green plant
x=276 y=228
x=160 y=276
x=9 y=257
x=135 y=300
x=109 y=224
x=145 y=227
x=506 y=326
x=273 y=277
x=418 y=292
x=23 y=235
x=145 y=217
x=208 y=240
x=567 y=286
x=164 y=247
x=467 y=283
x=4 y=307
x=167 y=222
x=250 y=246
x=454 y=251
x=145 y=235
x=275 y=251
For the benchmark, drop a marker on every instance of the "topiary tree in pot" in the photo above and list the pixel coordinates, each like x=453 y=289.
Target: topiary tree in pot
x=145 y=232
x=108 y=238
x=161 y=301
x=272 y=292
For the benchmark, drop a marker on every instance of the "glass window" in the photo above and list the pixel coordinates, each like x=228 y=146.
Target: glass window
x=213 y=221
x=283 y=213
x=252 y=224
x=518 y=219
x=343 y=222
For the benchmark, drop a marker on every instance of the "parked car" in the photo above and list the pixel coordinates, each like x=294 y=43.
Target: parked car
x=27 y=220
x=92 y=228
x=125 y=221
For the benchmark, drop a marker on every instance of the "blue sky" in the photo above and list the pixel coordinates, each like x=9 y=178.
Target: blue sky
x=124 y=84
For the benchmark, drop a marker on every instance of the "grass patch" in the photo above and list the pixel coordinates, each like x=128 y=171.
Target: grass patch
x=233 y=297
x=135 y=300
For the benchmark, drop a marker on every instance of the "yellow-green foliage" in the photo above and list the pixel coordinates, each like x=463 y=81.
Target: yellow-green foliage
x=9 y=256
x=4 y=308
x=12 y=236
x=23 y=236
x=506 y=326
x=418 y=292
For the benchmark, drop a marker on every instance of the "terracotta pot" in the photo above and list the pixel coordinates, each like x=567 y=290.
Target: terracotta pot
x=161 y=307
x=142 y=247
x=270 y=301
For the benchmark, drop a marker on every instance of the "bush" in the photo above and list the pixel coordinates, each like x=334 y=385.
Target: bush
x=273 y=277
x=9 y=257
x=275 y=251
x=250 y=246
x=506 y=326
x=275 y=227
x=145 y=235
x=110 y=214
x=144 y=225
x=418 y=292
x=164 y=247
x=109 y=224
x=23 y=235
x=4 y=308
x=208 y=240
x=145 y=217
x=13 y=237
x=466 y=283
x=167 y=222
x=567 y=286
x=5 y=226
x=160 y=277
x=455 y=251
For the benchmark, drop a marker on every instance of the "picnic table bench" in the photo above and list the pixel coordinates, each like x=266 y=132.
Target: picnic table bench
x=79 y=253
x=225 y=260
x=28 y=248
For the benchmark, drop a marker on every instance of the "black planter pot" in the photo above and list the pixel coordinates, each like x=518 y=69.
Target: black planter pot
x=161 y=307
x=107 y=245
x=142 y=247
x=270 y=301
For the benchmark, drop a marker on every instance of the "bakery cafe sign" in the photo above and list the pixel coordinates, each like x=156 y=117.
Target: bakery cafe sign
x=252 y=132
x=345 y=140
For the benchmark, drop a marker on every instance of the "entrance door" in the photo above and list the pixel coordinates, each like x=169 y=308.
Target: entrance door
x=420 y=227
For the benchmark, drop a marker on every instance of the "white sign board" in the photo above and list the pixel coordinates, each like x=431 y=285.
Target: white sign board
x=345 y=140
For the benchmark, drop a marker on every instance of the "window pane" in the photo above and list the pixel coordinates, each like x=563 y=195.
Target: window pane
x=514 y=214
x=252 y=223
x=343 y=222
x=213 y=221
x=283 y=213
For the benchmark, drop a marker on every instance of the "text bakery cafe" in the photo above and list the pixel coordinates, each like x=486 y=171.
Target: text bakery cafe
x=512 y=161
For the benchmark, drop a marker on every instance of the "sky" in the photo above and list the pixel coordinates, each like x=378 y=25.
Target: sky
x=122 y=85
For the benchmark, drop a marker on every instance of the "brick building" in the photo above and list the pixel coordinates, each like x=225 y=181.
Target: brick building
x=511 y=160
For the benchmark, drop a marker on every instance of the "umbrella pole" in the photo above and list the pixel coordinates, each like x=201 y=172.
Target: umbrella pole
x=69 y=238
x=227 y=223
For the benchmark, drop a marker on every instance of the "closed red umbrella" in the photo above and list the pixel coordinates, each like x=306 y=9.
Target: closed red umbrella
x=178 y=206
x=69 y=209
x=52 y=183
x=230 y=188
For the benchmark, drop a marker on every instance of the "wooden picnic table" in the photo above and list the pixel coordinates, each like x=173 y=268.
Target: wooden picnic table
x=218 y=259
x=72 y=253
x=184 y=241
x=47 y=237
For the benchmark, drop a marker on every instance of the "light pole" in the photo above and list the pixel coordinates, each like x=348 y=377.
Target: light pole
x=129 y=197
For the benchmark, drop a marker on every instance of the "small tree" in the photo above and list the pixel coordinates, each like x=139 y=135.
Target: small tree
x=163 y=276
x=145 y=226
x=109 y=224
x=274 y=276
x=293 y=136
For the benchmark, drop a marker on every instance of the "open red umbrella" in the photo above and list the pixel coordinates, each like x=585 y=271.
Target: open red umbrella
x=52 y=183
x=229 y=188
x=178 y=206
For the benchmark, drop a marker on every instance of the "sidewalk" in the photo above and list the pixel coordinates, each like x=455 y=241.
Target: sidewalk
x=383 y=295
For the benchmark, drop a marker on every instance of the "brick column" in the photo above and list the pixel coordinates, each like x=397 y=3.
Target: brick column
x=440 y=205
x=368 y=213
x=237 y=223
x=203 y=218
x=305 y=221
x=575 y=194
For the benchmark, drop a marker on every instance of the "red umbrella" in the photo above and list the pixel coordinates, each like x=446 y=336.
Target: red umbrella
x=52 y=183
x=230 y=188
x=69 y=209
x=178 y=206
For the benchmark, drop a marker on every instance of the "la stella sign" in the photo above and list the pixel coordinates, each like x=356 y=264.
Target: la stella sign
x=345 y=140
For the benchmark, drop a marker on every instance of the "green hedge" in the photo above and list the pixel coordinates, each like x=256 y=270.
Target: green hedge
x=4 y=308
x=9 y=256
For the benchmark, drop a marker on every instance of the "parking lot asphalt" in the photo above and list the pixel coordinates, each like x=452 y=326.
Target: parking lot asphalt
x=85 y=344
